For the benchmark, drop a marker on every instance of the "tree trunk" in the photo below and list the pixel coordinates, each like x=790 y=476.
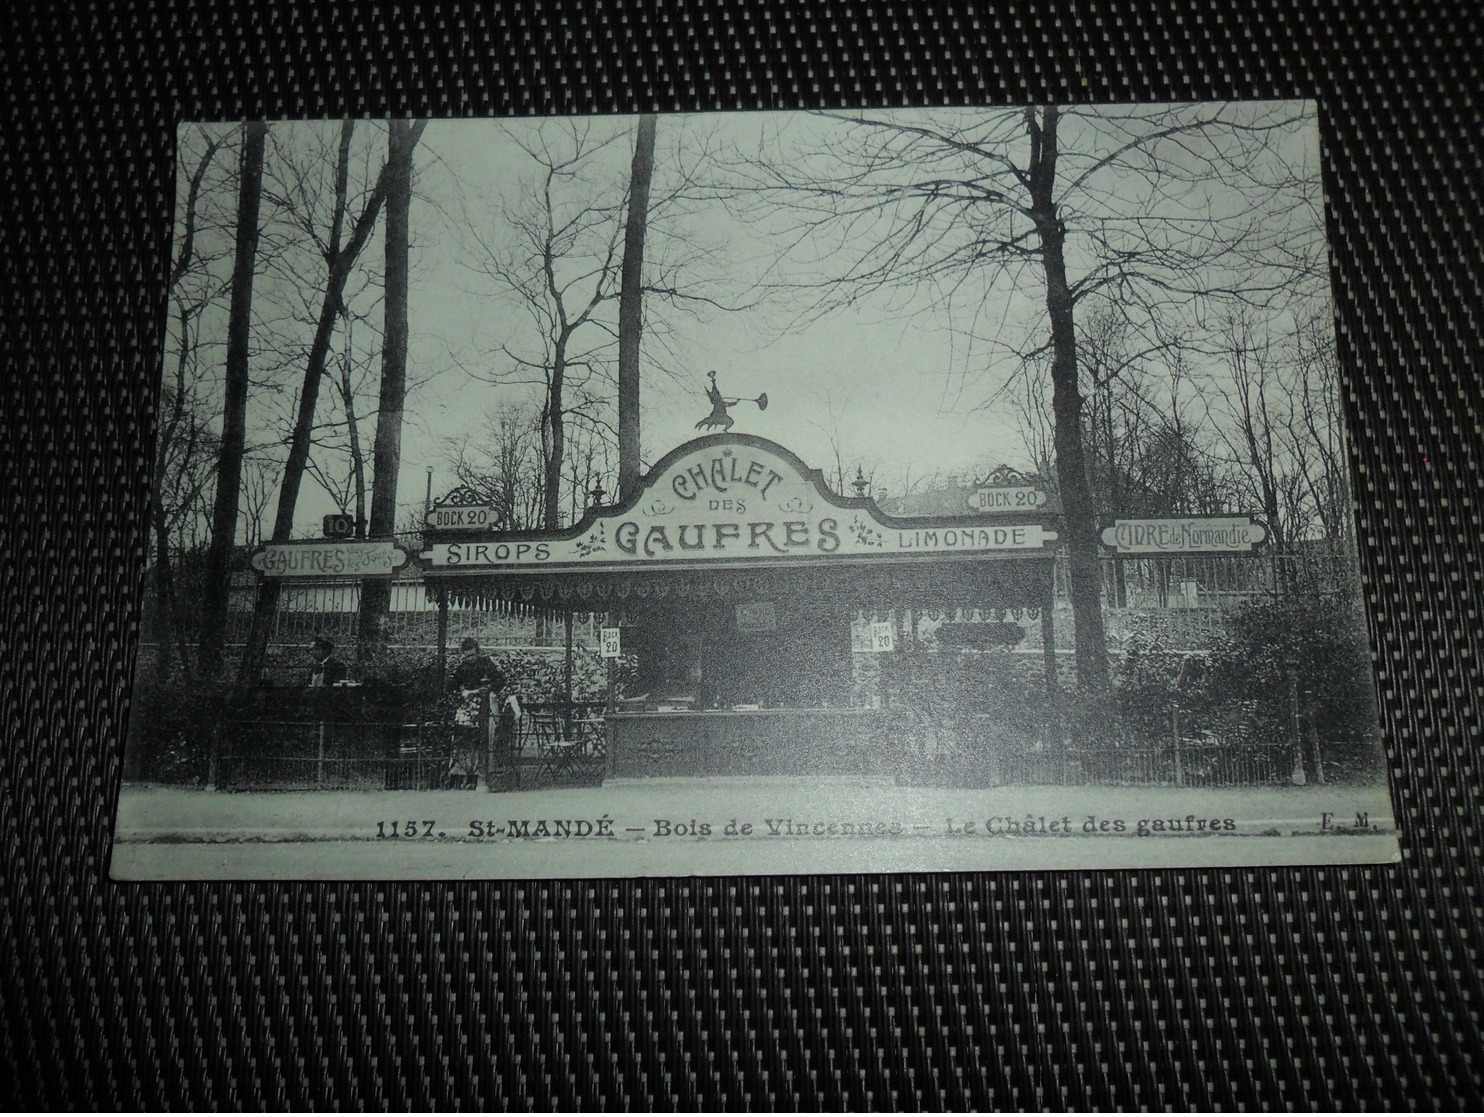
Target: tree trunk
x=234 y=410
x=556 y=424
x=164 y=593
x=387 y=451
x=1066 y=407
x=631 y=308
x=353 y=433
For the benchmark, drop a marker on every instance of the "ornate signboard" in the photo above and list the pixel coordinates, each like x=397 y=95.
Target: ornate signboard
x=328 y=559
x=740 y=500
x=466 y=517
x=462 y=510
x=1184 y=535
x=1007 y=490
x=1018 y=498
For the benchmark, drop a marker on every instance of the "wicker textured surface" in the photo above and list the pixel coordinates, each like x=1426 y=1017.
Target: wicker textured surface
x=1349 y=987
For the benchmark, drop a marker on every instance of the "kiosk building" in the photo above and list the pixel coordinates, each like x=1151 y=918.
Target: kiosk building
x=734 y=575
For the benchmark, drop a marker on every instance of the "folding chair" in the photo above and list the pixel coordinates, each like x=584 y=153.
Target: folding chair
x=559 y=758
x=543 y=728
x=591 y=736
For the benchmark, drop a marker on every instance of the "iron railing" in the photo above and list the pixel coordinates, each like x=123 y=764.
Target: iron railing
x=264 y=754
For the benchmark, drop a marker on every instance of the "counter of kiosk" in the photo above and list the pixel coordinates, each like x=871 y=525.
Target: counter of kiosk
x=746 y=742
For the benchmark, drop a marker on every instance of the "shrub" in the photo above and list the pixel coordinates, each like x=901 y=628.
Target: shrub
x=1323 y=641
x=171 y=723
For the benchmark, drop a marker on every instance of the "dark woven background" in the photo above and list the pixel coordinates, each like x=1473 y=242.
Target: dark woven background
x=1319 y=987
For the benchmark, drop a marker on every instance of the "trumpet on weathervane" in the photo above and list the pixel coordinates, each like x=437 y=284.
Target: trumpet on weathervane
x=719 y=405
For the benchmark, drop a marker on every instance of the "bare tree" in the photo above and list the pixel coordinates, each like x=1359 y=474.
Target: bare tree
x=1315 y=428
x=833 y=405
x=593 y=251
x=1253 y=401
x=505 y=469
x=560 y=268
x=337 y=453
x=259 y=479
x=1158 y=211
x=1030 y=399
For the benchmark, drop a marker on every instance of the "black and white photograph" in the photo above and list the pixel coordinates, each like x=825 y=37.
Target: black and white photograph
x=752 y=493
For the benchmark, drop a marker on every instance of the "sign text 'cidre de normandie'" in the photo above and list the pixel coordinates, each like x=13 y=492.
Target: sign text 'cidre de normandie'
x=1184 y=535
x=731 y=499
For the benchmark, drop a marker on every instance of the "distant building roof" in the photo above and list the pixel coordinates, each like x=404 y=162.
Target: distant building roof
x=954 y=496
x=946 y=501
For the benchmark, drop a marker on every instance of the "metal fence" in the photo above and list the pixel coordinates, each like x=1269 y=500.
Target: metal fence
x=1217 y=582
x=264 y=754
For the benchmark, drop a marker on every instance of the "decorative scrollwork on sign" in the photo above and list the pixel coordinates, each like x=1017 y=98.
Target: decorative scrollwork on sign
x=459 y=497
x=865 y=534
x=596 y=540
x=1007 y=476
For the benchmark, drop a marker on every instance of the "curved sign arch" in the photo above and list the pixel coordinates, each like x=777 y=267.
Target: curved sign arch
x=739 y=500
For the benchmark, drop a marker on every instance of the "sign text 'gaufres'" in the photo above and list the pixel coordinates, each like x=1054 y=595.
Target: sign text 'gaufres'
x=742 y=503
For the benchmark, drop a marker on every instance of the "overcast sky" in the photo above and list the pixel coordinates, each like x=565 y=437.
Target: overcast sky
x=893 y=380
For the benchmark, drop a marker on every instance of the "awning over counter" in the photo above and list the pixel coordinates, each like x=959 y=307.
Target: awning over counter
x=941 y=586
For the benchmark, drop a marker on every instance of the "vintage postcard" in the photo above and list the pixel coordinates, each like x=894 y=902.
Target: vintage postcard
x=960 y=489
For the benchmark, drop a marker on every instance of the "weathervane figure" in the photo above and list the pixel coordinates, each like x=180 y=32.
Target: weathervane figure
x=720 y=404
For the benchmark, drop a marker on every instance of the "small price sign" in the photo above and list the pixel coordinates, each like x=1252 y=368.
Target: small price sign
x=883 y=636
x=612 y=643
